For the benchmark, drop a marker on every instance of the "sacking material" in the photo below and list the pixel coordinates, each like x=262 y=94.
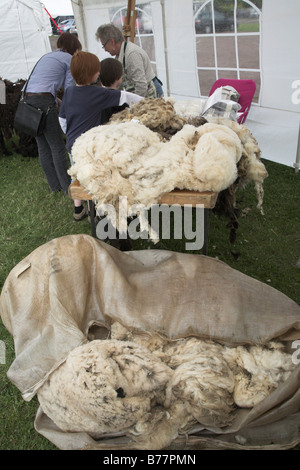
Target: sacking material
x=209 y=349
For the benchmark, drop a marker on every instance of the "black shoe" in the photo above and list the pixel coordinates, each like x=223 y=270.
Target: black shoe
x=82 y=215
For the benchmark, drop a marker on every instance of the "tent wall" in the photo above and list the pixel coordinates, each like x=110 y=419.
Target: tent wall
x=173 y=38
x=276 y=131
x=275 y=123
x=280 y=39
x=275 y=120
x=183 y=78
x=24 y=30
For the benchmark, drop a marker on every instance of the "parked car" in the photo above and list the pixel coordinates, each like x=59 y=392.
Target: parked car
x=65 y=25
x=203 y=22
x=73 y=30
x=58 y=20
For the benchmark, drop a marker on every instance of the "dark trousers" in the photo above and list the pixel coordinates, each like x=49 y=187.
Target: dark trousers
x=52 y=151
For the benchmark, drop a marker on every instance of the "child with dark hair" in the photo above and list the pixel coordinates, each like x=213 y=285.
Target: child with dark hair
x=111 y=77
x=111 y=73
x=83 y=104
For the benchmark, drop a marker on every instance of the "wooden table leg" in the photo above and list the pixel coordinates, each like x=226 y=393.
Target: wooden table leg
x=92 y=212
x=206 y=230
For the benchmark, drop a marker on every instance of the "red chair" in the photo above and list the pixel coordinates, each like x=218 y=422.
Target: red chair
x=246 y=90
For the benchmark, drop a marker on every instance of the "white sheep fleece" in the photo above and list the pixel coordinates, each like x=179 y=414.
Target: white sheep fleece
x=128 y=159
x=152 y=389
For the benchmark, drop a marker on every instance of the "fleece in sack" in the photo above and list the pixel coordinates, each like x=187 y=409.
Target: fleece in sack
x=204 y=363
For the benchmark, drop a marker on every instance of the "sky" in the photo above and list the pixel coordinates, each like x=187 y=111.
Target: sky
x=58 y=7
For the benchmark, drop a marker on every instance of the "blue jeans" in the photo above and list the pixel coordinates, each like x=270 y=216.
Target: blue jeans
x=51 y=145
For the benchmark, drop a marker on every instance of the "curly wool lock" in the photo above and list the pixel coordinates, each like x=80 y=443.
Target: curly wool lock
x=157 y=114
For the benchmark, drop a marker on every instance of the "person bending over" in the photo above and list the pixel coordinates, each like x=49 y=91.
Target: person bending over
x=51 y=74
x=138 y=74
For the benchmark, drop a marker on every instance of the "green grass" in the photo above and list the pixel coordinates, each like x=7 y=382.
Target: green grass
x=267 y=248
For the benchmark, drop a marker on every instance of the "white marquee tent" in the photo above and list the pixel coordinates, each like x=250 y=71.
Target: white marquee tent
x=24 y=37
x=274 y=117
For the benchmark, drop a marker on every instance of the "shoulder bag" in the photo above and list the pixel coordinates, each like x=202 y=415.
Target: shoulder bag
x=28 y=118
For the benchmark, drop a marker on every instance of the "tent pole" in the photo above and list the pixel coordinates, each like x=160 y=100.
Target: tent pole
x=297 y=163
x=166 y=45
x=130 y=19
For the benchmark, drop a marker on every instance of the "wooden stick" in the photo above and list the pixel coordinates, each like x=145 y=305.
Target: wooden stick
x=130 y=19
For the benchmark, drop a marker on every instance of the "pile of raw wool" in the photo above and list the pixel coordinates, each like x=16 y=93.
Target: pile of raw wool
x=159 y=115
x=250 y=166
x=167 y=116
x=151 y=390
x=148 y=150
x=129 y=160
